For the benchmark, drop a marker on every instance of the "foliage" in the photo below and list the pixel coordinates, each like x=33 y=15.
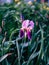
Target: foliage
x=20 y=51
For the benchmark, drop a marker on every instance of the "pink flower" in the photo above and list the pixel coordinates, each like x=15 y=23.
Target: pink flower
x=27 y=26
x=0 y=29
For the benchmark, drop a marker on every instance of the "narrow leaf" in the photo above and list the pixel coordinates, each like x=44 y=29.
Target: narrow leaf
x=5 y=56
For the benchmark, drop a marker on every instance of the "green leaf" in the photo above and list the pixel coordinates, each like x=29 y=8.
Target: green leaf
x=4 y=57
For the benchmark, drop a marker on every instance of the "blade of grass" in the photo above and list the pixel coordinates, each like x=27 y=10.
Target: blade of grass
x=18 y=51
x=41 y=48
x=33 y=55
x=5 y=56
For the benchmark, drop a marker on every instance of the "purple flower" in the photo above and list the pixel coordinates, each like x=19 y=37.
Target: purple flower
x=21 y=17
x=0 y=29
x=27 y=26
x=21 y=33
x=9 y=1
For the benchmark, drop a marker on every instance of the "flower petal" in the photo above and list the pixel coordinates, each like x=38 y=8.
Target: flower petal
x=25 y=23
x=29 y=35
x=31 y=25
x=21 y=33
x=21 y=17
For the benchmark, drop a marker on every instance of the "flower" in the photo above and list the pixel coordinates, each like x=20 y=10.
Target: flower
x=47 y=8
x=30 y=2
x=17 y=1
x=8 y=1
x=0 y=29
x=27 y=26
x=21 y=17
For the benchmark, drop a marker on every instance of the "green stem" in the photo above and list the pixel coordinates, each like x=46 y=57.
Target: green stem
x=3 y=48
x=18 y=51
